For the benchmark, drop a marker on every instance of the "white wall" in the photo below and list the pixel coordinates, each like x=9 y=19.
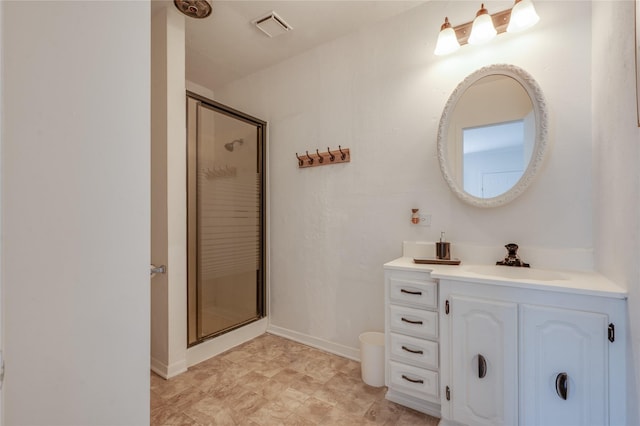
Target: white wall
x=616 y=139
x=75 y=212
x=1 y=207
x=380 y=92
x=169 y=202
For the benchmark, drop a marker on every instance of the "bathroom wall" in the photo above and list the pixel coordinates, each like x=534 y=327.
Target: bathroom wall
x=616 y=139
x=168 y=195
x=380 y=92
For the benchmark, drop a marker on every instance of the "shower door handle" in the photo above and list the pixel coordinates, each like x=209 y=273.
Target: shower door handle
x=157 y=270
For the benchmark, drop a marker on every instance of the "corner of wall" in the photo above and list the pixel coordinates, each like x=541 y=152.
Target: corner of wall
x=200 y=90
x=616 y=165
x=168 y=371
x=316 y=342
x=168 y=182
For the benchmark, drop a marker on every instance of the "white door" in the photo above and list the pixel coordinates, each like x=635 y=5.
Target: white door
x=564 y=377
x=75 y=212
x=1 y=300
x=484 y=369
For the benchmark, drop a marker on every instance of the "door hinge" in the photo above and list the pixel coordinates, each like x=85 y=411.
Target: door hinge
x=611 y=332
x=447 y=393
x=446 y=307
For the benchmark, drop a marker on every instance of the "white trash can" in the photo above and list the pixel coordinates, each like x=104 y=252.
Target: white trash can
x=372 y=358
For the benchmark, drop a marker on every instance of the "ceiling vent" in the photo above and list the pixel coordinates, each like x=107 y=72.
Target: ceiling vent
x=272 y=25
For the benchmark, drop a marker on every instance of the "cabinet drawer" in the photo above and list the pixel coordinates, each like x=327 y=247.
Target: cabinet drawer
x=414 y=381
x=423 y=353
x=413 y=322
x=413 y=292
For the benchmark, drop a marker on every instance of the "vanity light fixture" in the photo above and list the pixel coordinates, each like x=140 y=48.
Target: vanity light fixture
x=486 y=26
x=523 y=16
x=447 y=40
x=482 y=29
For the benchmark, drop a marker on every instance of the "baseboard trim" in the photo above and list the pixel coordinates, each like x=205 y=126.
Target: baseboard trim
x=445 y=422
x=224 y=342
x=168 y=371
x=220 y=344
x=415 y=403
x=315 y=342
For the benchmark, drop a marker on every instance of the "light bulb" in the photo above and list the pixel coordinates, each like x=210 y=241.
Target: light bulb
x=523 y=16
x=482 y=29
x=447 y=40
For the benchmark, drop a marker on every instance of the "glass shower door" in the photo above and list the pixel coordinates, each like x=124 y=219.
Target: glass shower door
x=225 y=219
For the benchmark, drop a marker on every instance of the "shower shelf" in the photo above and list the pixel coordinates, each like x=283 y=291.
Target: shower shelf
x=340 y=155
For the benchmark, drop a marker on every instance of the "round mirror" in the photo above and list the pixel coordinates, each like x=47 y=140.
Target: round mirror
x=492 y=135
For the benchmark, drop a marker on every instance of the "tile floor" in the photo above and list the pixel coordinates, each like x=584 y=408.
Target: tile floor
x=275 y=381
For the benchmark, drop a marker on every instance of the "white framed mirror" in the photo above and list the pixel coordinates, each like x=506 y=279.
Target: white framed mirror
x=492 y=136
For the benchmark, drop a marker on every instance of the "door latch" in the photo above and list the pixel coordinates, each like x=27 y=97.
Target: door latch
x=157 y=270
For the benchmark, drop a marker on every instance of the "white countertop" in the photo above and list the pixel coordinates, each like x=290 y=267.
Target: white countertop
x=577 y=282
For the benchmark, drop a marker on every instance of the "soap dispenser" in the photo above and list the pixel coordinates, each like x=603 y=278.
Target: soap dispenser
x=443 y=249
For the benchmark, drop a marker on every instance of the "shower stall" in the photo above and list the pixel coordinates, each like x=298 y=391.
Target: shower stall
x=225 y=218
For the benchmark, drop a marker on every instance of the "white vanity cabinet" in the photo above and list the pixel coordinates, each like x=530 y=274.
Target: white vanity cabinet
x=411 y=346
x=523 y=356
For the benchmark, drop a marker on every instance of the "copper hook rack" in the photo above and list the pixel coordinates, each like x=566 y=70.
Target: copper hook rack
x=340 y=155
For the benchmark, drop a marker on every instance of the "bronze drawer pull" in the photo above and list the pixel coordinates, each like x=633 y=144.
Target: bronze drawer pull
x=411 y=322
x=412 y=351
x=415 y=293
x=412 y=380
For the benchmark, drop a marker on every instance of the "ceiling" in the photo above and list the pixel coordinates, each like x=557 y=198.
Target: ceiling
x=226 y=46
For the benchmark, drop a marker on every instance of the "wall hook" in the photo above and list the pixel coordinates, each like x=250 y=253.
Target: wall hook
x=318 y=159
x=331 y=156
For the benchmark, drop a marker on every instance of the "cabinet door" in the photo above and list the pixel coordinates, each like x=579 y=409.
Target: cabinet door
x=570 y=343
x=484 y=370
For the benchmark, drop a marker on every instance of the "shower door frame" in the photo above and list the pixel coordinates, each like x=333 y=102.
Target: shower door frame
x=193 y=332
